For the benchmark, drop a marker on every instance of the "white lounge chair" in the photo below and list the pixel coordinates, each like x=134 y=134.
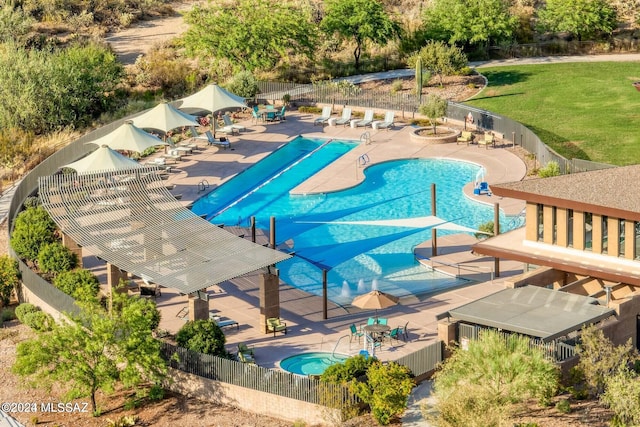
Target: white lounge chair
x=228 y=123
x=324 y=117
x=387 y=123
x=208 y=137
x=229 y=130
x=346 y=117
x=367 y=120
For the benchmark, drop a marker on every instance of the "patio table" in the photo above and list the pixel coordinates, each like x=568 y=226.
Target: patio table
x=376 y=332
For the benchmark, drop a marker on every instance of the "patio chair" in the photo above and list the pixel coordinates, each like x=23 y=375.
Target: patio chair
x=271 y=116
x=387 y=123
x=243 y=348
x=367 y=120
x=394 y=335
x=246 y=358
x=280 y=115
x=465 y=137
x=228 y=122
x=208 y=136
x=382 y=321
x=324 y=117
x=489 y=139
x=256 y=117
x=355 y=333
x=346 y=117
x=405 y=331
x=274 y=325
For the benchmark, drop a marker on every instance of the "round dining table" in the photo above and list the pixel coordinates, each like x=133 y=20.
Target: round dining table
x=376 y=332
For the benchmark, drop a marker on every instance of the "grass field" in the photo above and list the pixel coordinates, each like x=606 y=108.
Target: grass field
x=582 y=110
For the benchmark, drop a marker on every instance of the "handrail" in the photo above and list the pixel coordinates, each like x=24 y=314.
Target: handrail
x=336 y=346
x=366 y=137
x=203 y=185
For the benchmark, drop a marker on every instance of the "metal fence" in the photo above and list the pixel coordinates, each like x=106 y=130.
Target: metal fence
x=563 y=47
x=556 y=351
x=255 y=377
x=425 y=360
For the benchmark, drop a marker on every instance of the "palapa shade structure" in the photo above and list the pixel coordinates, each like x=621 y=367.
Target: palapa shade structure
x=375 y=300
x=130 y=138
x=104 y=159
x=165 y=118
x=212 y=98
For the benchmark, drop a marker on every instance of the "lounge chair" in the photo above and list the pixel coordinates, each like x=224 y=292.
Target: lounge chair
x=387 y=123
x=324 y=117
x=346 y=117
x=274 y=325
x=465 y=137
x=208 y=136
x=228 y=122
x=488 y=140
x=367 y=120
x=229 y=130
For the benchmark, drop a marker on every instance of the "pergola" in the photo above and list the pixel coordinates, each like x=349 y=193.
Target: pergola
x=130 y=219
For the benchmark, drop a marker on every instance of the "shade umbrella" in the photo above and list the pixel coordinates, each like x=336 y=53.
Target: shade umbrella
x=375 y=300
x=165 y=118
x=102 y=160
x=212 y=98
x=130 y=138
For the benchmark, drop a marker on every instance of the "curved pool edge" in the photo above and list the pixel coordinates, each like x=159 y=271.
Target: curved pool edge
x=342 y=357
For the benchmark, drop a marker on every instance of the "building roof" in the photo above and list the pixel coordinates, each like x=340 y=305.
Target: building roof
x=131 y=220
x=533 y=311
x=605 y=191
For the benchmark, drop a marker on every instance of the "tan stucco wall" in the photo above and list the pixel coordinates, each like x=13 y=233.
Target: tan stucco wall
x=541 y=276
x=250 y=400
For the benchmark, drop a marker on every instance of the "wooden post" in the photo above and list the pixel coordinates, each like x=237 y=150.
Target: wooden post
x=434 y=232
x=496 y=231
x=272 y=232
x=253 y=229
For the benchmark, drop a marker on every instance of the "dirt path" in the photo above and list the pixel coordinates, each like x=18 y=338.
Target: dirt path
x=141 y=36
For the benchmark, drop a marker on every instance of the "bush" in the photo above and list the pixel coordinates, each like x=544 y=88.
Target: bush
x=396 y=86
x=9 y=278
x=56 y=258
x=81 y=284
x=486 y=227
x=23 y=309
x=203 y=336
x=243 y=84
x=550 y=169
x=7 y=314
x=33 y=229
x=39 y=321
x=563 y=406
x=162 y=68
x=352 y=368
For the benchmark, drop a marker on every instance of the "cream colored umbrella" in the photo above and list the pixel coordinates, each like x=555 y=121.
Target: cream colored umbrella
x=130 y=138
x=212 y=98
x=165 y=118
x=104 y=159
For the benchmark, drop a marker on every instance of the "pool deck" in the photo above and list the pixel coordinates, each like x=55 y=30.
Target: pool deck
x=238 y=299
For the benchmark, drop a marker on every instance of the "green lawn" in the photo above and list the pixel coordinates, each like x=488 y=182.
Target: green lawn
x=582 y=110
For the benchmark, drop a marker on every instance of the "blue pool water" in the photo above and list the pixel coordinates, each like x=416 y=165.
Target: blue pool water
x=311 y=363
x=358 y=257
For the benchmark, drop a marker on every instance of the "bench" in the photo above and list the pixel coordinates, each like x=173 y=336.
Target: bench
x=466 y=136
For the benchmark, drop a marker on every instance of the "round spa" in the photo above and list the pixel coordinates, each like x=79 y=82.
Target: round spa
x=311 y=363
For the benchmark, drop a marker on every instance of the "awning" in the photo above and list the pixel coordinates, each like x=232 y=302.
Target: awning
x=417 y=222
x=534 y=311
x=130 y=219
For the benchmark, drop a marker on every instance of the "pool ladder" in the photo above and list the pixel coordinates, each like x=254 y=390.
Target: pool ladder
x=203 y=185
x=337 y=344
x=366 y=138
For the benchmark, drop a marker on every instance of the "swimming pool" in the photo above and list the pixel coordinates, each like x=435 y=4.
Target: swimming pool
x=311 y=363
x=358 y=257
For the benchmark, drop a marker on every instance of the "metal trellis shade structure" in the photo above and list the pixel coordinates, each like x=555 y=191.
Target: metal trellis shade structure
x=131 y=220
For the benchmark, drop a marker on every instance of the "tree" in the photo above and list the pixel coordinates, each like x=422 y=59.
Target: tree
x=434 y=108
x=243 y=84
x=360 y=20
x=94 y=350
x=581 y=18
x=250 y=34
x=440 y=58
x=621 y=396
x=203 y=336
x=488 y=377
x=56 y=258
x=9 y=278
x=81 y=284
x=386 y=390
x=473 y=22
x=601 y=359
x=33 y=229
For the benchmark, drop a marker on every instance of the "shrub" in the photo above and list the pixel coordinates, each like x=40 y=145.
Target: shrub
x=550 y=169
x=23 y=309
x=56 y=258
x=33 y=229
x=243 y=84
x=203 y=336
x=39 y=321
x=7 y=314
x=563 y=406
x=81 y=284
x=9 y=278
x=486 y=227
x=621 y=396
x=352 y=368
x=396 y=86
